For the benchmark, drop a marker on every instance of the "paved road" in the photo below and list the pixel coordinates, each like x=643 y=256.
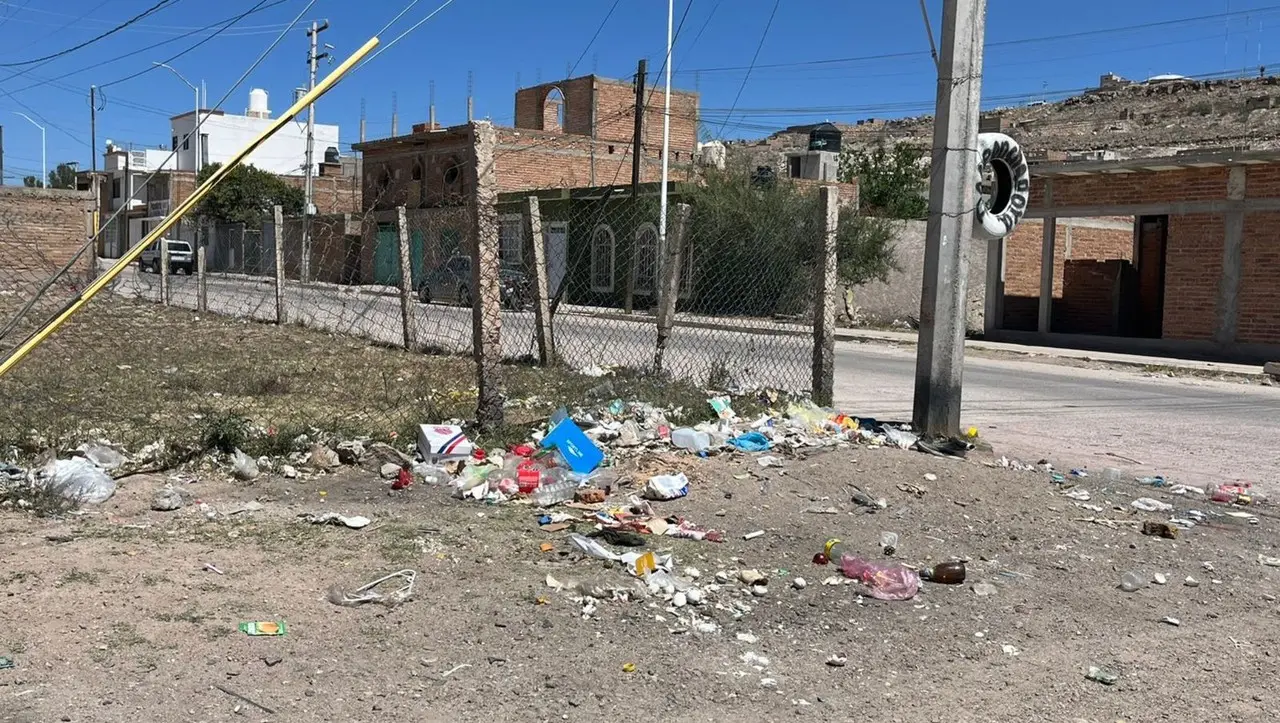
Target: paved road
x=1191 y=430
x=1188 y=429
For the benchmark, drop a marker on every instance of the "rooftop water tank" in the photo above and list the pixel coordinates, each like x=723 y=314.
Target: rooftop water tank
x=258 y=107
x=825 y=137
x=331 y=155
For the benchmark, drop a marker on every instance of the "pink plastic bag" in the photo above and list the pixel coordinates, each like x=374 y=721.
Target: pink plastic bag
x=883 y=582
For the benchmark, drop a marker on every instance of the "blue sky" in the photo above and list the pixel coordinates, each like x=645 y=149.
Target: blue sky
x=832 y=61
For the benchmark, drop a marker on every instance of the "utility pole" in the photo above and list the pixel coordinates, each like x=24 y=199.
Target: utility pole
x=1 y=155
x=309 y=209
x=637 y=149
x=93 y=129
x=952 y=202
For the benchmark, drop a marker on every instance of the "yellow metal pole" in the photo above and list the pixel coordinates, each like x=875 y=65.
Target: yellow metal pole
x=158 y=232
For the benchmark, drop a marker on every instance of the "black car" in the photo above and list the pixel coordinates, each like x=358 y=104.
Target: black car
x=450 y=282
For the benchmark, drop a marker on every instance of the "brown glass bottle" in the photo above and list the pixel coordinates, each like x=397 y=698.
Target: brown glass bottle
x=945 y=573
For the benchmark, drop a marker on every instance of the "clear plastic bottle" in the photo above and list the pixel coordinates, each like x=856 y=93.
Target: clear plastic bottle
x=690 y=439
x=554 y=489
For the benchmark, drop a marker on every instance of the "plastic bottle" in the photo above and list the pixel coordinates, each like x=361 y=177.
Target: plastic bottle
x=554 y=489
x=832 y=552
x=945 y=573
x=690 y=439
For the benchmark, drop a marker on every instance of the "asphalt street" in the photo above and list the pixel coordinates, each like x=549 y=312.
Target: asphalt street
x=1191 y=430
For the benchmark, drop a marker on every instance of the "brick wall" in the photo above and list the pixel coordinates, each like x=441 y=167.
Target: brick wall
x=1258 y=319
x=1192 y=184
x=528 y=160
x=1193 y=268
x=1091 y=297
x=40 y=231
x=1075 y=239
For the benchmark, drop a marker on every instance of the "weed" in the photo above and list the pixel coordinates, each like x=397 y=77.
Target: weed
x=38 y=499
x=224 y=431
x=75 y=575
x=151 y=580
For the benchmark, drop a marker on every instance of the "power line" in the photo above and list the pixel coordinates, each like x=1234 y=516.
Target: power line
x=64 y=26
x=754 y=57
x=153 y=9
x=592 y=41
x=997 y=44
x=202 y=41
x=141 y=27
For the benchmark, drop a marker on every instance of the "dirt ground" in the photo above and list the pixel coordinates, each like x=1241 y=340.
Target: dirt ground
x=111 y=615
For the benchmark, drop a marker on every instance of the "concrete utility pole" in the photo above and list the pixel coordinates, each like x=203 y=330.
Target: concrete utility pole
x=637 y=158
x=93 y=129
x=952 y=201
x=309 y=208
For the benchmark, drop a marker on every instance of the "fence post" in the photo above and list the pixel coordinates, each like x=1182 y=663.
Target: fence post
x=277 y=214
x=202 y=287
x=406 y=278
x=164 y=271
x=669 y=292
x=825 y=283
x=541 y=287
x=486 y=300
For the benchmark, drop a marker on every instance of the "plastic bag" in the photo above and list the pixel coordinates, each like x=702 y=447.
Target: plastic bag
x=79 y=479
x=751 y=442
x=243 y=466
x=883 y=582
x=666 y=487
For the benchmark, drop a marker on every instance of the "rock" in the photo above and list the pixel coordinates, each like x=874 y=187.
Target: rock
x=322 y=458
x=759 y=590
x=167 y=499
x=381 y=453
x=1159 y=578
x=289 y=472
x=931 y=477
x=722 y=577
x=679 y=600
x=1191 y=582
x=752 y=577
x=799 y=583
x=389 y=470
x=984 y=589
x=350 y=452
x=694 y=596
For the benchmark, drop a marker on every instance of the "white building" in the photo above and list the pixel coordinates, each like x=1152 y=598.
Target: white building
x=222 y=135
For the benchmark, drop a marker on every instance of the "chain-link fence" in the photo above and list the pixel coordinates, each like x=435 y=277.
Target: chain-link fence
x=376 y=321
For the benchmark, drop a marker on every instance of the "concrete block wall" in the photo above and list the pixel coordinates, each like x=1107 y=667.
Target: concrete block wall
x=1192 y=271
x=40 y=231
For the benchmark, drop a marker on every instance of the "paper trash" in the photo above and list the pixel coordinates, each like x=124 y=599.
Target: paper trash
x=439 y=442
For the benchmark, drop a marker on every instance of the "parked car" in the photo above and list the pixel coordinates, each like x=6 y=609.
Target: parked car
x=181 y=257
x=450 y=282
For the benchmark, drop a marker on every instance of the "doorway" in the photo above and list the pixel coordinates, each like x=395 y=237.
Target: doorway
x=1153 y=237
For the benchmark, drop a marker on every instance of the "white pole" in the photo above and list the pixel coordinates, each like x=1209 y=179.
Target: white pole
x=666 y=134
x=196 y=163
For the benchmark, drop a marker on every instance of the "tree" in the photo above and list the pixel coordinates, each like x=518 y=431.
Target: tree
x=755 y=246
x=892 y=182
x=32 y=182
x=247 y=195
x=64 y=176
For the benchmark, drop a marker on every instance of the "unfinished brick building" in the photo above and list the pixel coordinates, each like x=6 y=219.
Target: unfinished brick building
x=1197 y=277
x=572 y=133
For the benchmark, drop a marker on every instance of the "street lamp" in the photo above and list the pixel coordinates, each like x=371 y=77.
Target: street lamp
x=195 y=164
x=44 y=168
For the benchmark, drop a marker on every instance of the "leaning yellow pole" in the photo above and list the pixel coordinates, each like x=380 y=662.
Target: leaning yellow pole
x=158 y=232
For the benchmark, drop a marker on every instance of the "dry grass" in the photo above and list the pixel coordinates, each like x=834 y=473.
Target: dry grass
x=133 y=372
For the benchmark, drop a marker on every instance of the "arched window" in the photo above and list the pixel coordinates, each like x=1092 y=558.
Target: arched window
x=602 y=248
x=646 y=259
x=553 y=108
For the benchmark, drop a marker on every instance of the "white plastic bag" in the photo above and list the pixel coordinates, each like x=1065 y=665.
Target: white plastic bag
x=243 y=466
x=79 y=479
x=666 y=487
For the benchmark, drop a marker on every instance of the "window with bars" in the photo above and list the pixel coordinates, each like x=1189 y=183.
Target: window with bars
x=646 y=259
x=602 y=251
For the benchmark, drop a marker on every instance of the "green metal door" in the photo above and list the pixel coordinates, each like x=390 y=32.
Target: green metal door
x=418 y=254
x=386 y=257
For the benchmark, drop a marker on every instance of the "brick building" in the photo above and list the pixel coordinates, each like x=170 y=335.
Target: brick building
x=40 y=231
x=574 y=133
x=1197 y=277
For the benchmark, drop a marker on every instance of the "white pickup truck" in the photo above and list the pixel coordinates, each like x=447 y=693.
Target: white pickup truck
x=181 y=257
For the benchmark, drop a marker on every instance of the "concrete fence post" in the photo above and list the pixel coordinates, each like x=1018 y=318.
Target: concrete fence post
x=164 y=272
x=669 y=289
x=486 y=299
x=277 y=214
x=202 y=286
x=825 y=284
x=406 y=278
x=541 y=288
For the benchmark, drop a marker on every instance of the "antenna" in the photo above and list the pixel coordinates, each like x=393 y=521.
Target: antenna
x=362 y=120
x=395 y=114
x=470 y=103
x=431 y=117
